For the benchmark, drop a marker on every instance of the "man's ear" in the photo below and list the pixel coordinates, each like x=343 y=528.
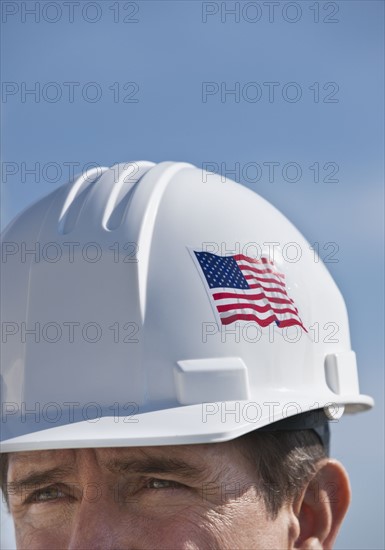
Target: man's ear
x=322 y=506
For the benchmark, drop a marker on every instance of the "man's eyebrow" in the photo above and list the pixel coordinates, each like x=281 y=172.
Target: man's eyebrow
x=156 y=465
x=38 y=478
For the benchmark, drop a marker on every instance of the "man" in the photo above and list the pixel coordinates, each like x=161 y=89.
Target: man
x=173 y=352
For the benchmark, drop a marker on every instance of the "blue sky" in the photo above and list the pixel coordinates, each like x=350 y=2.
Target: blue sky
x=123 y=81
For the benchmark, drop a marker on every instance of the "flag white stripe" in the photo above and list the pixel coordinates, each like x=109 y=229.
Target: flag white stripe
x=259 y=265
x=246 y=271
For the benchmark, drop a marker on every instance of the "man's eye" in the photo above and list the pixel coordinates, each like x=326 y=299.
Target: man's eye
x=163 y=484
x=46 y=494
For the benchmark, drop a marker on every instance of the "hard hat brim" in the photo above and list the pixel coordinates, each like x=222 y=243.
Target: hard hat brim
x=186 y=425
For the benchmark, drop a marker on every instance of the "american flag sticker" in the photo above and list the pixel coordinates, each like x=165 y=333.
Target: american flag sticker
x=246 y=289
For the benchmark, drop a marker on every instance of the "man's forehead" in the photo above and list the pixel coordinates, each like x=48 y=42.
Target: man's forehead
x=190 y=453
x=29 y=457
x=192 y=462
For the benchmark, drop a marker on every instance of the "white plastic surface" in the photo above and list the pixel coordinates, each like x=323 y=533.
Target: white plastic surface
x=143 y=324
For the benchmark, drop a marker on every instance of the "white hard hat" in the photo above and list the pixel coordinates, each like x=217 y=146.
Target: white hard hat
x=155 y=304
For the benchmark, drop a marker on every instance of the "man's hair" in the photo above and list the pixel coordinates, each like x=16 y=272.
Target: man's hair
x=3 y=475
x=285 y=460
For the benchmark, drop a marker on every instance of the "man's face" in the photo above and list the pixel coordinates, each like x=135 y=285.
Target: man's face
x=175 y=497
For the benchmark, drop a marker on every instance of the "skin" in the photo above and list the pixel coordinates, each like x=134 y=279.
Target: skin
x=205 y=497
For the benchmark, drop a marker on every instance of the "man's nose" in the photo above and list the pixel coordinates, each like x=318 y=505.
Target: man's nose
x=98 y=525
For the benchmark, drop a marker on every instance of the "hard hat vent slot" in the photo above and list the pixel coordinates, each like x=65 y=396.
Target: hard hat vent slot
x=130 y=175
x=117 y=215
x=76 y=198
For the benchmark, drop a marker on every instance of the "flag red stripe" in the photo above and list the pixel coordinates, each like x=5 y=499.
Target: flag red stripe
x=260 y=309
x=225 y=295
x=272 y=289
x=258 y=286
x=248 y=259
x=248 y=317
x=261 y=322
x=263 y=260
